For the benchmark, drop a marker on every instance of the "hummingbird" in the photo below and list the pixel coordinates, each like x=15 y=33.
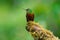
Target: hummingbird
x=29 y=15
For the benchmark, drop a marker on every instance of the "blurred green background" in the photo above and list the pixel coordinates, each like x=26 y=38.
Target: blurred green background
x=13 y=20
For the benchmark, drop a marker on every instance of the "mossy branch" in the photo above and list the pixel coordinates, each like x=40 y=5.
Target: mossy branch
x=39 y=33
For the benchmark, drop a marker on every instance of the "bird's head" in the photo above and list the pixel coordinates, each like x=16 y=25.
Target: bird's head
x=28 y=10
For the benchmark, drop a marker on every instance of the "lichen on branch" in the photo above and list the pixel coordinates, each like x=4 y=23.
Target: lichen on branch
x=39 y=33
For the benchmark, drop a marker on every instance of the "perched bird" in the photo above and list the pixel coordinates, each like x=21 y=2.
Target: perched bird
x=29 y=15
x=36 y=30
